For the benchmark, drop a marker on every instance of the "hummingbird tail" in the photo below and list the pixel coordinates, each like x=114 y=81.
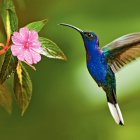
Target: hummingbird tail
x=116 y=113
x=114 y=108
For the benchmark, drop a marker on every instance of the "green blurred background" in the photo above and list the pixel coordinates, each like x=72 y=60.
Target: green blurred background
x=67 y=104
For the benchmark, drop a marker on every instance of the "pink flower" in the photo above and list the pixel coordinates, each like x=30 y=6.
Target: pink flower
x=26 y=46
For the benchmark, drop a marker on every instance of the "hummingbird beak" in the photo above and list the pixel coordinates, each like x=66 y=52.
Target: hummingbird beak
x=71 y=26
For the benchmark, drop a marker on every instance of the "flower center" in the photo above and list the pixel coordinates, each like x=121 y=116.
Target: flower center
x=27 y=45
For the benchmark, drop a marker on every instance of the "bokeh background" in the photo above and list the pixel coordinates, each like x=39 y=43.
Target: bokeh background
x=67 y=104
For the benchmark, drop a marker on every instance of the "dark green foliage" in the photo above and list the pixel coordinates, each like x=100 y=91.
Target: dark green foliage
x=22 y=81
x=22 y=87
x=8 y=67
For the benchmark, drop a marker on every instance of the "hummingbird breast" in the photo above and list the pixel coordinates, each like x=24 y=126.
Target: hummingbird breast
x=98 y=68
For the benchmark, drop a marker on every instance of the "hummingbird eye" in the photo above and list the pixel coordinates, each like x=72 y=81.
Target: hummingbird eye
x=89 y=36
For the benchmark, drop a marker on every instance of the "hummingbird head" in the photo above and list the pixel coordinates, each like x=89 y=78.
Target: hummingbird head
x=90 y=38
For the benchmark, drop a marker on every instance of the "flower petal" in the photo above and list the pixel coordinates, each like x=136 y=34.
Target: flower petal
x=16 y=49
x=33 y=36
x=24 y=32
x=37 y=50
x=26 y=46
x=35 y=44
x=17 y=39
x=35 y=56
x=28 y=56
x=20 y=57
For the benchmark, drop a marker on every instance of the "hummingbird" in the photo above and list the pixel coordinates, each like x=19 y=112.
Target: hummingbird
x=103 y=63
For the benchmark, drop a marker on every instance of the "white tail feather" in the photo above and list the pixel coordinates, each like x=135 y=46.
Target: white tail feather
x=116 y=113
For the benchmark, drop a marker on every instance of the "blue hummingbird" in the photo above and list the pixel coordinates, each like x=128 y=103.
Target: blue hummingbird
x=103 y=63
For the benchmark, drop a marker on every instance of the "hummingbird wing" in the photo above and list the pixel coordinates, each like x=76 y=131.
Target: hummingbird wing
x=122 y=51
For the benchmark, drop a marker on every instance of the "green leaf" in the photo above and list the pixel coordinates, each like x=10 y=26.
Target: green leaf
x=13 y=20
x=2 y=37
x=6 y=21
x=8 y=67
x=37 y=25
x=22 y=88
x=5 y=98
x=9 y=17
x=51 y=50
